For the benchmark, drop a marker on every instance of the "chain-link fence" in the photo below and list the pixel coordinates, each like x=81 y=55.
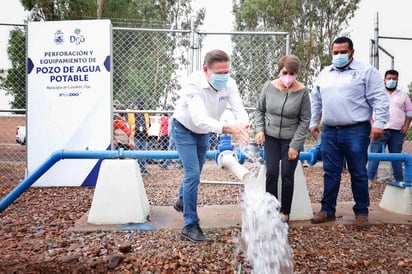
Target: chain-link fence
x=149 y=66
x=12 y=122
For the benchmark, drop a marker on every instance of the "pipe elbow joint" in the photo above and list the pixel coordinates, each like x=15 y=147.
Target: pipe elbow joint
x=315 y=154
x=225 y=145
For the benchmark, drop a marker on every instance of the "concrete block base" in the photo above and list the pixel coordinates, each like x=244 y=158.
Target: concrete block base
x=301 y=205
x=119 y=196
x=397 y=198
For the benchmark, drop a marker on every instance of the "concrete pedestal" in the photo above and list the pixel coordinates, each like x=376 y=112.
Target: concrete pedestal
x=119 y=196
x=301 y=205
x=397 y=198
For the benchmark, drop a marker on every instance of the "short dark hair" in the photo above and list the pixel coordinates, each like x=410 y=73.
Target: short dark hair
x=120 y=106
x=290 y=62
x=139 y=105
x=342 y=40
x=392 y=72
x=214 y=56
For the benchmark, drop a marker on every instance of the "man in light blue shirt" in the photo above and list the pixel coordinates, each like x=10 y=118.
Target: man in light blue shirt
x=347 y=93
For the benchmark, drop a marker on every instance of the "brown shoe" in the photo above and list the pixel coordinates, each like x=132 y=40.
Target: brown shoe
x=322 y=217
x=361 y=221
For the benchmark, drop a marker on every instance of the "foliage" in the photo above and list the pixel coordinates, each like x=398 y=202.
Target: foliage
x=152 y=71
x=12 y=80
x=410 y=90
x=159 y=59
x=312 y=25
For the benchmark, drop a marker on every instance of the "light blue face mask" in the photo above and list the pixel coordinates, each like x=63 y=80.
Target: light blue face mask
x=391 y=84
x=340 y=60
x=219 y=81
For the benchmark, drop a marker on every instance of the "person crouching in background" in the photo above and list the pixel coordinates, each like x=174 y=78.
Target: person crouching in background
x=122 y=135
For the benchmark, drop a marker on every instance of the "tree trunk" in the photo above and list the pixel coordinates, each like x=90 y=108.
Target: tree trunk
x=100 y=4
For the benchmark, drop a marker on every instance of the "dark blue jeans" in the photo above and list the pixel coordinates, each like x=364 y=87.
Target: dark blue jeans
x=192 y=150
x=394 y=140
x=140 y=144
x=172 y=146
x=350 y=143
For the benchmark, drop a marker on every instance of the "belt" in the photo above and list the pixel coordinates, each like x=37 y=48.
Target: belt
x=351 y=125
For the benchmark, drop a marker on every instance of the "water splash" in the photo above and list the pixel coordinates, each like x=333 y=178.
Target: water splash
x=264 y=238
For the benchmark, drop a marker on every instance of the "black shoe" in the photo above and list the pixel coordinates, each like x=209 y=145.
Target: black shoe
x=178 y=207
x=194 y=234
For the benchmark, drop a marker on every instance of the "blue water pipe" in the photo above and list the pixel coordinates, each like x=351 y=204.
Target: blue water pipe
x=86 y=154
x=225 y=143
x=312 y=155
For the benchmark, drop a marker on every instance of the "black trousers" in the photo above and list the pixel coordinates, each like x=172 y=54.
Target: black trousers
x=276 y=155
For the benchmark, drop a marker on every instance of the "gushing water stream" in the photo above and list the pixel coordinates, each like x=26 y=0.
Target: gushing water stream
x=264 y=235
x=264 y=238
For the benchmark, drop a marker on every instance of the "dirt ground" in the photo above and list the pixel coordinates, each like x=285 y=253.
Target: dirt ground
x=8 y=126
x=35 y=236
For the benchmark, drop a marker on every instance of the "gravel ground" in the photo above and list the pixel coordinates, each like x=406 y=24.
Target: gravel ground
x=34 y=236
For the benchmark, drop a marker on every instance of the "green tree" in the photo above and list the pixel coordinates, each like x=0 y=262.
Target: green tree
x=157 y=55
x=312 y=25
x=54 y=10
x=144 y=63
x=12 y=80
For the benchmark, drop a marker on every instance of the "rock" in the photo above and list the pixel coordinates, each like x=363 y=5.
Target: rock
x=114 y=260
x=70 y=258
x=125 y=247
x=64 y=243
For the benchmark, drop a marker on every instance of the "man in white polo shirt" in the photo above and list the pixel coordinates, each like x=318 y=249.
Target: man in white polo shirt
x=203 y=99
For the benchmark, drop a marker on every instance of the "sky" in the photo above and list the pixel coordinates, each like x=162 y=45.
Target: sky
x=218 y=18
x=393 y=22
